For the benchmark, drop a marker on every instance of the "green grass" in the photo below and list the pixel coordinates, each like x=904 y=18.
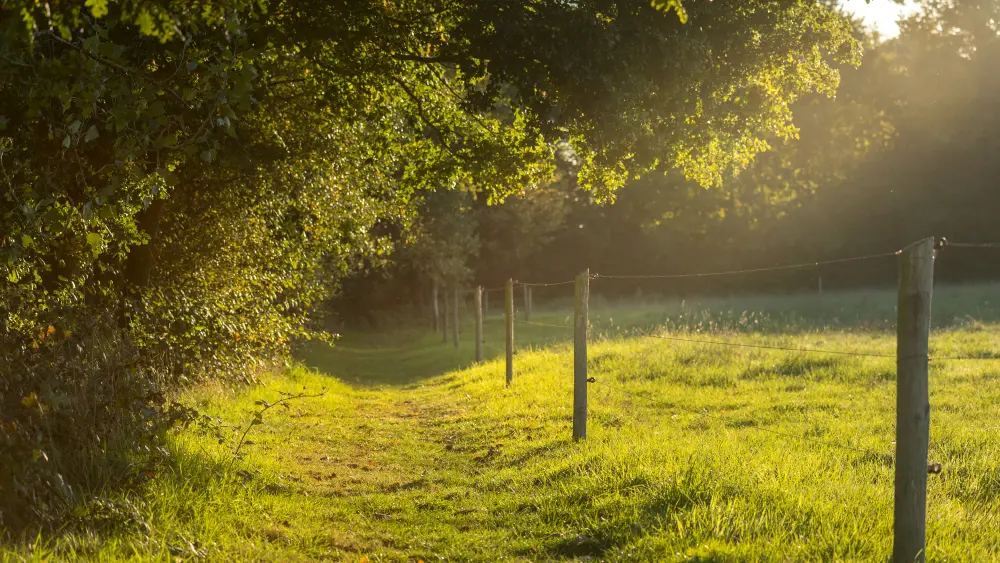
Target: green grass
x=711 y=453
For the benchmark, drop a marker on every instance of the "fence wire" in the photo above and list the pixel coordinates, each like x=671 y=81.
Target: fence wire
x=551 y=284
x=973 y=244
x=751 y=270
x=803 y=265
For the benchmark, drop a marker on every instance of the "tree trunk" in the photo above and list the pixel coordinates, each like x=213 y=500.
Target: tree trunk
x=139 y=264
x=437 y=311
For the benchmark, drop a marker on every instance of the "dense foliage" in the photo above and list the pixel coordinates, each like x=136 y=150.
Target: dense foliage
x=905 y=150
x=186 y=183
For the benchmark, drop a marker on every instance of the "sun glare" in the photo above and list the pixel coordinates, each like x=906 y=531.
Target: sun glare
x=880 y=14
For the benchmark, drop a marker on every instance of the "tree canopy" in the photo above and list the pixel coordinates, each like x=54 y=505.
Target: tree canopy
x=186 y=183
x=903 y=151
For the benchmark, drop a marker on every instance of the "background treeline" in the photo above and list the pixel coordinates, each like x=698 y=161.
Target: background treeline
x=908 y=148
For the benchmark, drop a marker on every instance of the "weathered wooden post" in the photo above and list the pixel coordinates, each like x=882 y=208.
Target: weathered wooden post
x=509 y=322
x=527 y=302
x=454 y=312
x=444 y=319
x=479 y=324
x=580 y=299
x=437 y=312
x=916 y=282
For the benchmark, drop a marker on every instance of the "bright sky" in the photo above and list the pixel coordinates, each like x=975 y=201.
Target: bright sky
x=880 y=14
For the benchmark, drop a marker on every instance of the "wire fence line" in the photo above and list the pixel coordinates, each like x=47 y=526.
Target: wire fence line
x=973 y=244
x=653 y=402
x=550 y=284
x=800 y=265
x=722 y=273
x=750 y=270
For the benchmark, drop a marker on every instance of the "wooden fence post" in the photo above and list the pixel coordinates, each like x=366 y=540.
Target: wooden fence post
x=527 y=302
x=916 y=282
x=509 y=322
x=437 y=312
x=580 y=304
x=454 y=327
x=444 y=319
x=479 y=324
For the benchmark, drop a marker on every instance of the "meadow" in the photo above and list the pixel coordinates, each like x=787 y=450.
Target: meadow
x=696 y=452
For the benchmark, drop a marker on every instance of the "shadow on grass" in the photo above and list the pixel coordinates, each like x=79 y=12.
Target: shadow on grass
x=373 y=359
x=359 y=363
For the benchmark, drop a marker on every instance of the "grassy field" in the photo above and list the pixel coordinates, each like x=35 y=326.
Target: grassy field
x=695 y=452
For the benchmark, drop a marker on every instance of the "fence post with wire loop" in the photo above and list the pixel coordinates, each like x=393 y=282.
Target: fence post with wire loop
x=479 y=324
x=454 y=312
x=509 y=324
x=916 y=281
x=580 y=304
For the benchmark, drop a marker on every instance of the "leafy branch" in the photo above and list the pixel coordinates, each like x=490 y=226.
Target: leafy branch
x=258 y=417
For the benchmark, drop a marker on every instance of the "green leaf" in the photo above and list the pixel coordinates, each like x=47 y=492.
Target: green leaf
x=92 y=43
x=91 y=134
x=26 y=241
x=667 y=5
x=67 y=142
x=96 y=242
x=99 y=8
